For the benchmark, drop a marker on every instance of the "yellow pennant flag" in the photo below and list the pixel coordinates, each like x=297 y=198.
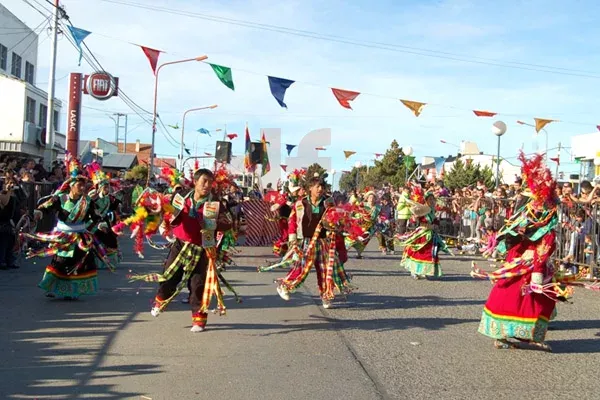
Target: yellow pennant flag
x=540 y=123
x=348 y=154
x=414 y=106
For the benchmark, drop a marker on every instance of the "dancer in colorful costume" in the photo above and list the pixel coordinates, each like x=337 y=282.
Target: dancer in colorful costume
x=193 y=254
x=226 y=240
x=527 y=286
x=107 y=207
x=422 y=246
x=283 y=205
x=72 y=271
x=313 y=242
x=370 y=214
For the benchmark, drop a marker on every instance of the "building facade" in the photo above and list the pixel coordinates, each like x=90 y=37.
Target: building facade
x=23 y=106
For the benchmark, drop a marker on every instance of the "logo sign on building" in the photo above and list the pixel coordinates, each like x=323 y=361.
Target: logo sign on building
x=101 y=85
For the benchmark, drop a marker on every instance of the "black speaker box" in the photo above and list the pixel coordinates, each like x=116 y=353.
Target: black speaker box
x=223 y=152
x=256 y=152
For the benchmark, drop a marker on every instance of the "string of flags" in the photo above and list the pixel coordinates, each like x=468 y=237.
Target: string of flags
x=279 y=86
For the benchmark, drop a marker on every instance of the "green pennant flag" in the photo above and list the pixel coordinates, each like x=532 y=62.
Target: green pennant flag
x=409 y=161
x=224 y=75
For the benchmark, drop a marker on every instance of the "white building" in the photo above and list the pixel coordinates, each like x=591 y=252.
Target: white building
x=23 y=106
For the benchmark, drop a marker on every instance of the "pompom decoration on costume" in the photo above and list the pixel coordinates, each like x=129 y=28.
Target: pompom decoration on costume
x=223 y=179
x=175 y=178
x=150 y=209
x=96 y=174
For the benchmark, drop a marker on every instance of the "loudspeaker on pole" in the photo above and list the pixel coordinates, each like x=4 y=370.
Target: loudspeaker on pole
x=223 y=152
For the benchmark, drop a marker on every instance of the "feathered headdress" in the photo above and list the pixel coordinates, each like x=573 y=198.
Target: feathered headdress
x=417 y=194
x=296 y=179
x=175 y=178
x=150 y=209
x=541 y=187
x=74 y=169
x=222 y=178
x=98 y=176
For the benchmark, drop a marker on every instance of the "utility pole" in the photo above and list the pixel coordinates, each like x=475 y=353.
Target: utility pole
x=52 y=75
x=557 y=164
x=118 y=127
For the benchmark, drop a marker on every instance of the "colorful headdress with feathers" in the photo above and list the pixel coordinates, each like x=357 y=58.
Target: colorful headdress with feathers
x=296 y=179
x=223 y=179
x=98 y=176
x=150 y=209
x=175 y=178
x=540 y=184
x=74 y=172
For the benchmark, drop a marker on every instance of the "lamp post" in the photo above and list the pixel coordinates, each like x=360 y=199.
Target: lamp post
x=498 y=129
x=407 y=152
x=545 y=132
x=357 y=165
x=183 y=130
x=151 y=166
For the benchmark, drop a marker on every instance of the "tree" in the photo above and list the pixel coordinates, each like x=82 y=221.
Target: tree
x=317 y=169
x=466 y=174
x=348 y=180
x=139 y=172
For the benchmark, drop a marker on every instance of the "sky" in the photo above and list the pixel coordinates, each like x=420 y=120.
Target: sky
x=454 y=55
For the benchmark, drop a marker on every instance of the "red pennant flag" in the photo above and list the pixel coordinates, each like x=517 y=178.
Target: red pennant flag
x=598 y=126
x=320 y=148
x=556 y=160
x=377 y=155
x=283 y=167
x=232 y=136
x=484 y=113
x=208 y=154
x=344 y=97
x=152 y=57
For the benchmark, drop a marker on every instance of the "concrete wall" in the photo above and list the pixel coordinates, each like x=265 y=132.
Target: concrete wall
x=12 y=109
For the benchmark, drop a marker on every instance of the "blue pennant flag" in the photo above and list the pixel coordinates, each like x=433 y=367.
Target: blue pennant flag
x=439 y=164
x=204 y=131
x=278 y=87
x=289 y=148
x=78 y=35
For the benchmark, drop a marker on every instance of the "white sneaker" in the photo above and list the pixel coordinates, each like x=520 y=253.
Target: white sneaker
x=283 y=293
x=197 y=328
x=327 y=304
x=155 y=311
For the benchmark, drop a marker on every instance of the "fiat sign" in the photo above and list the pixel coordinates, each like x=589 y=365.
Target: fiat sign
x=101 y=85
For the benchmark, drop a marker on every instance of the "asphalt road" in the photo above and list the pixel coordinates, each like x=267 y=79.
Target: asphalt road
x=395 y=338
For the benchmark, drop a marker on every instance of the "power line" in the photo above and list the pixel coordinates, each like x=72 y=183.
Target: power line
x=33 y=32
x=366 y=44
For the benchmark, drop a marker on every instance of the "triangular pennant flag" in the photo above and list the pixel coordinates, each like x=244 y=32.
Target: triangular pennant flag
x=409 y=161
x=278 y=87
x=78 y=35
x=415 y=106
x=283 y=167
x=289 y=148
x=187 y=151
x=555 y=159
x=598 y=127
x=349 y=154
x=377 y=155
x=176 y=126
x=439 y=164
x=344 y=97
x=484 y=113
x=266 y=166
x=152 y=57
x=204 y=131
x=320 y=148
x=208 y=154
x=540 y=123
x=224 y=75
x=232 y=136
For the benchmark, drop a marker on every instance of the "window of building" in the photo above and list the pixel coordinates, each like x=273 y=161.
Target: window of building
x=56 y=121
x=30 y=110
x=3 y=57
x=15 y=69
x=29 y=72
x=43 y=117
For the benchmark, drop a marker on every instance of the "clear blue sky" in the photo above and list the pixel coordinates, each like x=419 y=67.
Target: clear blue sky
x=553 y=34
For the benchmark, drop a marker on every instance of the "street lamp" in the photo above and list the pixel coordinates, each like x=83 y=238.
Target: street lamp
x=151 y=166
x=545 y=131
x=183 y=130
x=357 y=165
x=498 y=129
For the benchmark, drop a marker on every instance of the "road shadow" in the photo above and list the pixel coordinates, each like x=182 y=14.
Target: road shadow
x=575 y=346
x=57 y=348
x=371 y=301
